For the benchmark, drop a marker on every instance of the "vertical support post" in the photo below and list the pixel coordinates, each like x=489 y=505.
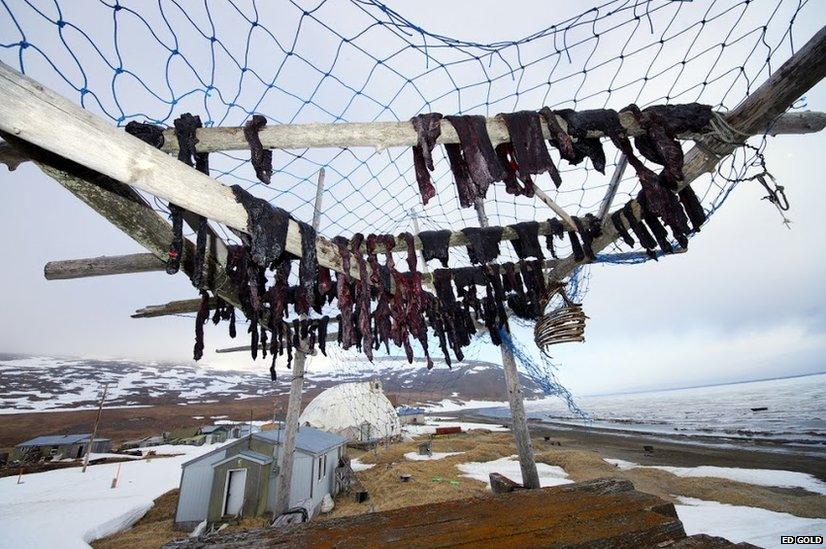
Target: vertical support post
x=608 y=199
x=519 y=421
x=414 y=220
x=285 y=461
x=94 y=429
x=285 y=466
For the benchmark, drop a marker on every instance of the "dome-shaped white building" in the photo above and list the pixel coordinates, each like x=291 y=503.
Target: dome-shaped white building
x=359 y=412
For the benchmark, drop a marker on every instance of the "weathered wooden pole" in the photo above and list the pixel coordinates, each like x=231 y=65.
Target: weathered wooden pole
x=102 y=266
x=613 y=185
x=285 y=465
x=519 y=421
x=94 y=429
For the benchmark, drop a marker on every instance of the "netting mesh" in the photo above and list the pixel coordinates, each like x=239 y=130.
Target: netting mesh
x=359 y=60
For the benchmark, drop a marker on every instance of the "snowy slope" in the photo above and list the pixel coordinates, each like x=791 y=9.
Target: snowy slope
x=37 y=383
x=67 y=508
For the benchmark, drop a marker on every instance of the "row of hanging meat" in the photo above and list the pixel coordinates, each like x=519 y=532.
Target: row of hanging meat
x=383 y=305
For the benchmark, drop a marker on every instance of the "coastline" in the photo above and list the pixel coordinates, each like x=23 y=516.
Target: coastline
x=669 y=450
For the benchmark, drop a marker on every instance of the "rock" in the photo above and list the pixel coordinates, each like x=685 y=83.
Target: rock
x=327 y=503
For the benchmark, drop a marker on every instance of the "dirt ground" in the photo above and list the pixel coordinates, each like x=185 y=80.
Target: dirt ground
x=440 y=480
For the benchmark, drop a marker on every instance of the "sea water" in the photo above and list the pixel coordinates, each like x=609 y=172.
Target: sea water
x=795 y=412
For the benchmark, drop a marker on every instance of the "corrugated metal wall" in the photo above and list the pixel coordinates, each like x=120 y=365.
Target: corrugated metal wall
x=196 y=485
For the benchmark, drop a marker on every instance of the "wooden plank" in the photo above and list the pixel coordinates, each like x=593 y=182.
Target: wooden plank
x=378 y=135
x=613 y=185
x=754 y=115
x=102 y=266
x=122 y=206
x=601 y=513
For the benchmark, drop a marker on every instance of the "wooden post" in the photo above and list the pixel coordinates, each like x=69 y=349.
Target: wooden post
x=285 y=459
x=94 y=429
x=519 y=421
x=605 y=207
x=102 y=266
x=285 y=466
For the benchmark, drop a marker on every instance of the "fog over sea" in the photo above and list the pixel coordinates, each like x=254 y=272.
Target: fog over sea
x=794 y=414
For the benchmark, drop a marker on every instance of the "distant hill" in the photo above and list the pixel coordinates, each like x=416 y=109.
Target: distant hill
x=37 y=383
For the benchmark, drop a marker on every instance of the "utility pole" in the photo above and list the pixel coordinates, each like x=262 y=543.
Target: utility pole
x=519 y=421
x=285 y=461
x=94 y=429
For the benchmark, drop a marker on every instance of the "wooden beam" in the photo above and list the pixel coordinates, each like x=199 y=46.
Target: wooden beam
x=183 y=306
x=378 y=135
x=102 y=266
x=613 y=185
x=754 y=115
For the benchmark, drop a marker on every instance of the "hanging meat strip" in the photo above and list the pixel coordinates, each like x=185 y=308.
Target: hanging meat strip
x=527 y=245
x=646 y=240
x=556 y=230
x=559 y=138
x=148 y=133
x=322 y=334
x=415 y=301
x=428 y=129
x=435 y=245
x=616 y=219
x=531 y=155
x=585 y=233
x=658 y=145
x=201 y=319
x=202 y=165
x=507 y=158
x=363 y=297
x=579 y=124
x=345 y=296
x=477 y=152
x=260 y=158
x=307 y=269
x=266 y=225
x=656 y=227
x=693 y=207
x=576 y=246
x=484 y=243
x=465 y=189
x=185 y=127
x=382 y=314
x=173 y=261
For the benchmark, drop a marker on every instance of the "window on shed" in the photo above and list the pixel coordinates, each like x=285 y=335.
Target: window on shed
x=322 y=466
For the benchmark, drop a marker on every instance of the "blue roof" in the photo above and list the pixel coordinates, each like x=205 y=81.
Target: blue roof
x=59 y=440
x=407 y=411
x=309 y=439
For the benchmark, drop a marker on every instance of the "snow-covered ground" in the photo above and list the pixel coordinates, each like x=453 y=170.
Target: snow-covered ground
x=357 y=465
x=453 y=405
x=413 y=456
x=429 y=428
x=739 y=523
x=549 y=475
x=67 y=508
x=758 y=477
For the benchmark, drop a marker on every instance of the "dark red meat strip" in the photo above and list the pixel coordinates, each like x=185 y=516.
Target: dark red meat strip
x=435 y=245
x=345 y=295
x=260 y=158
x=363 y=297
x=484 y=243
x=428 y=129
x=266 y=225
x=693 y=207
x=527 y=245
x=477 y=151
x=529 y=149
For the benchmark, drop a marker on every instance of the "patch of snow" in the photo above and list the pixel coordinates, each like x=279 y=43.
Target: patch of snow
x=68 y=508
x=448 y=405
x=739 y=523
x=757 y=477
x=357 y=465
x=549 y=475
x=429 y=428
x=413 y=456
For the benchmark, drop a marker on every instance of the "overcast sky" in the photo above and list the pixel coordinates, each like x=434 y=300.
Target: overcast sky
x=746 y=302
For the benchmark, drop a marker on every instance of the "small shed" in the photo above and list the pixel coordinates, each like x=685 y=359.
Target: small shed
x=60 y=447
x=215 y=433
x=241 y=477
x=411 y=416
